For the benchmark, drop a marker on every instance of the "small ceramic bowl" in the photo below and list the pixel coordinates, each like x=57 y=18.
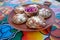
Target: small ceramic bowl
x=23 y=27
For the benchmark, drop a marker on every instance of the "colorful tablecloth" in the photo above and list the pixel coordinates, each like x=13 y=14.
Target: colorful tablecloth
x=7 y=32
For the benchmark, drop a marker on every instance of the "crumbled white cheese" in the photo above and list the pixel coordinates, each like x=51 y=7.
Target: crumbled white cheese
x=44 y=12
x=37 y=19
x=20 y=8
x=34 y=5
x=21 y=17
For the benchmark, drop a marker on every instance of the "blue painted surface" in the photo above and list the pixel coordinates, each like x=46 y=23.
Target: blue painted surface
x=0 y=34
x=9 y=4
x=6 y=34
x=5 y=29
x=58 y=16
x=53 y=28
